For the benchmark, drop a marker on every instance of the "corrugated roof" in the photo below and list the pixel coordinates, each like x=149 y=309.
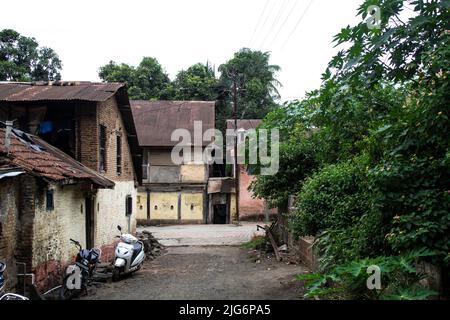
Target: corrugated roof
x=245 y=124
x=15 y=93
x=58 y=90
x=156 y=120
x=39 y=158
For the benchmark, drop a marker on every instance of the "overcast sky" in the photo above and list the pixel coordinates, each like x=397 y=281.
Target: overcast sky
x=179 y=33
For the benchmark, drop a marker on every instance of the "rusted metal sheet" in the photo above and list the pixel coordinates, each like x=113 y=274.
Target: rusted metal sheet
x=245 y=124
x=156 y=120
x=58 y=90
x=37 y=157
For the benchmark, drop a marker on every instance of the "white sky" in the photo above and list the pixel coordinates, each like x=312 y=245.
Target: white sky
x=179 y=33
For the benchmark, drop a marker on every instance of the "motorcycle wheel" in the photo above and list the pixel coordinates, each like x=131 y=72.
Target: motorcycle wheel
x=66 y=293
x=116 y=274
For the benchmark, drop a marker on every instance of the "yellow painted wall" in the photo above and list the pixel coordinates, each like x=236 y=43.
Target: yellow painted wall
x=193 y=173
x=233 y=213
x=192 y=206
x=167 y=205
x=141 y=205
x=53 y=229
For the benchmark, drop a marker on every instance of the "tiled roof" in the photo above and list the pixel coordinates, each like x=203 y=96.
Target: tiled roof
x=37 y=157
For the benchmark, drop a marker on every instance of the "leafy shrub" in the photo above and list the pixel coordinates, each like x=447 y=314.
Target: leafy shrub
x=334 y=205
x=332 y=198
x=399 y=279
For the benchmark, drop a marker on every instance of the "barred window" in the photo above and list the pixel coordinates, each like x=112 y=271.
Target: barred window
x=102 y=145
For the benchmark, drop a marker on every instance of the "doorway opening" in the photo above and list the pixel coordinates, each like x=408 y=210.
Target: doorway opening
x=90 y=222
x=220 y=214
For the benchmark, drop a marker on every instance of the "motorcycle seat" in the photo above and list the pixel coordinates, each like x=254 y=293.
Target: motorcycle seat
x=137 y=247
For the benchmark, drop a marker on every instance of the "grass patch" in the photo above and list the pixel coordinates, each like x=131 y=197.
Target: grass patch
x=255 y=243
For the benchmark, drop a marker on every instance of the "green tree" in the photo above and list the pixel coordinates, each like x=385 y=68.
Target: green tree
x=113 y=72
x=256 y=84
x=379 y=126
x=21 y=59
x=147 y=81
x=198 y=82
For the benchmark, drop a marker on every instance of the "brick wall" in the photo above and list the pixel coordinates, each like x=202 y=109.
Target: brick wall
x=301 y=247
x=8 y=225
x=250 y=208
x=106 y=113
x=88 y=135
x=109 y=115
x=24 y=252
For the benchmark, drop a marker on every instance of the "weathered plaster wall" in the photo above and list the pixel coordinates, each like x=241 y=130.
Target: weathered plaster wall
x=192 y=206
x=52 y=248
x=164 y=174
x=193 y=173
x=163 y=170
x=8 y=224
x=233 y=213
x=110 y=212
x=164 y=205
x=141 y=213
x=176 y=194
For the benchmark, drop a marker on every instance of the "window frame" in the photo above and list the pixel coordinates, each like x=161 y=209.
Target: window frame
x=119 y=154
x=102 y=142
x=128 y=205
x=50 y=195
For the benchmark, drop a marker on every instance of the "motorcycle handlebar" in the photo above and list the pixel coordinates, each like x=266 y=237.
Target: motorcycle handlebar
x=76 y=243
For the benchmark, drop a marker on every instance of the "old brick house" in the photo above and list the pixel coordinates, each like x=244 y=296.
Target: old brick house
x=42 y=203
x=91 y=123
x=172 y=193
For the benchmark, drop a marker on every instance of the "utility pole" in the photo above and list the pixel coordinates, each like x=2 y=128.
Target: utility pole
x=236 y=170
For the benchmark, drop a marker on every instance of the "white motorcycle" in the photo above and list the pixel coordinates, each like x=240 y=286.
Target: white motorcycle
x=129 y=255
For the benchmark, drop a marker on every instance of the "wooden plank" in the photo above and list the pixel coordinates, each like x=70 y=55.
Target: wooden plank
x=274 y=245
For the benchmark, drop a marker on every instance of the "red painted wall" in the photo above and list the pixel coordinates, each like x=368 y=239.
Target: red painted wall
x=249 y=208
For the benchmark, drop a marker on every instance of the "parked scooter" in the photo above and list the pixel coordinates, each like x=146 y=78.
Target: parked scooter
x=79 y=275
x=129 y=255
x=7 y=295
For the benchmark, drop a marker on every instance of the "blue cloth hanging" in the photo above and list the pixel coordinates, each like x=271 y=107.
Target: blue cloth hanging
x=45 y=127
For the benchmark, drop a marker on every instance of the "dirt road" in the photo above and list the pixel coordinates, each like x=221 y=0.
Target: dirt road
x=198 y=273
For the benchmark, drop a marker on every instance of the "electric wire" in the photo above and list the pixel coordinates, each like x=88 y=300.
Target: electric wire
x=297 y=24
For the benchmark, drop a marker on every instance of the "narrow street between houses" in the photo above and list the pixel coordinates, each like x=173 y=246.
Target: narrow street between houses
x=203 y=271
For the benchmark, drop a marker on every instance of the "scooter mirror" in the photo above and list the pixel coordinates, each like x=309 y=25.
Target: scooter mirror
x=120 y=228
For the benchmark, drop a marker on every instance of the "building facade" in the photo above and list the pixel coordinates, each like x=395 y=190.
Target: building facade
x=43 y=196
x=87 y=123
x=172 y=192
